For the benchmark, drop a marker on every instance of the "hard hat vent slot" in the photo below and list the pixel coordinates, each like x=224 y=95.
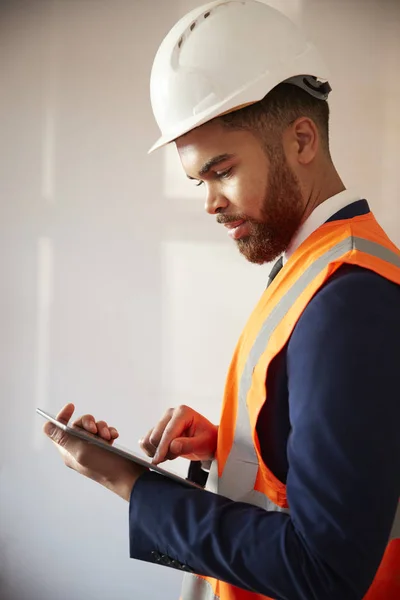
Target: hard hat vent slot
x=190 y=29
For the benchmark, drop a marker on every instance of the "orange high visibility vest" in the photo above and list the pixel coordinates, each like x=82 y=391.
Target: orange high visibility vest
x=238 y=471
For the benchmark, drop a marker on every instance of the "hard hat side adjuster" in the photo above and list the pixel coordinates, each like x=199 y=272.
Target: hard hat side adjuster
x=309 y=83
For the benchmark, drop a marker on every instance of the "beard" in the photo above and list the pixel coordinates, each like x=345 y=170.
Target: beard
x=282 y=213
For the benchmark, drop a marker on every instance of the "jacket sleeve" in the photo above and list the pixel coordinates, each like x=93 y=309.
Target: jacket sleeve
x=343 y=483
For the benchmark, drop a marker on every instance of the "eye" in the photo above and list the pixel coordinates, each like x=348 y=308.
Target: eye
x=224 y=174
x=199 y=183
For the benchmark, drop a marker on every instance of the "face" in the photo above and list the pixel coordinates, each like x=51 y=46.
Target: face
x=257 y=198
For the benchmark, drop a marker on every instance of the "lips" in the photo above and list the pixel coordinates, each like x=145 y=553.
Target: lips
x=234 y=224
x=238 y=229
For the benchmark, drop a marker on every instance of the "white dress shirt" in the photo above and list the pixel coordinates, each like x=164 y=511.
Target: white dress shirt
x=322 y=213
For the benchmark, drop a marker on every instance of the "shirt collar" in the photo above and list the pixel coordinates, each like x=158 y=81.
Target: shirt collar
x=318 y=217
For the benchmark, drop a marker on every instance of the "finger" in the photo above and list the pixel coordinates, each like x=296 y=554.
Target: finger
x=176 y=427
x=86 y=422
x=114 y=434
x=66 y=413
x=146 y=445
x=158 y=431
x=103 y=430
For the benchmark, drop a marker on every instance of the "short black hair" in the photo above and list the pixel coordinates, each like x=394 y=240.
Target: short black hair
x=281 y=106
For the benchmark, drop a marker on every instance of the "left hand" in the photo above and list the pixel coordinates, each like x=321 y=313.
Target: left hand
x=110 y=470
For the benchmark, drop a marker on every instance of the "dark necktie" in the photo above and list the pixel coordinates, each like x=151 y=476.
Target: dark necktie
x=275 y=270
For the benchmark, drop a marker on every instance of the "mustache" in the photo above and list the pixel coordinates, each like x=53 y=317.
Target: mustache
x=222 y=219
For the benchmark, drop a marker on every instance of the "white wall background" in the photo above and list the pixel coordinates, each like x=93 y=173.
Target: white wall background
x=117 y=292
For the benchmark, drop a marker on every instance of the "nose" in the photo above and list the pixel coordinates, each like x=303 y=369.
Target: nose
x=215 y=202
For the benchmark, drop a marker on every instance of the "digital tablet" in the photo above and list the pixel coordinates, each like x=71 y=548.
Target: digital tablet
x=117 y=449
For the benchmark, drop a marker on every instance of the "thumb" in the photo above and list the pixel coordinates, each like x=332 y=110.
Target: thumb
x=186 y=445
x=176 y=446
x=56 y=434
x=49 y=429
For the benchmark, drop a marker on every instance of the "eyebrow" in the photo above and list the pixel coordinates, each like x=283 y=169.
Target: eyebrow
x=212 y=162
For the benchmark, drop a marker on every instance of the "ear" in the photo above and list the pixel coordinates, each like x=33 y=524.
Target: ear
x=302 y=141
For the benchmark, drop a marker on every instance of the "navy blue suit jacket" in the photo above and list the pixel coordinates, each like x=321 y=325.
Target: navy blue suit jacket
x=330 y=431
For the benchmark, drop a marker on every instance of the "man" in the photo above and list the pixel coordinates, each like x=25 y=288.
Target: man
x=306 y=458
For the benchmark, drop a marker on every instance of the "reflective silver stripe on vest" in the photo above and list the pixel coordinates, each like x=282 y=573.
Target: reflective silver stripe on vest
x=196 y=588
x=377 y=250
x=395 y=533
x=239 y=475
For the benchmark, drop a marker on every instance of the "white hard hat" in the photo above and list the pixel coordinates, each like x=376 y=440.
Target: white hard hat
x=225 y=55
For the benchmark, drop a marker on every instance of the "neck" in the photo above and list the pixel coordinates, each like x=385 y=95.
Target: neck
x=325 y=184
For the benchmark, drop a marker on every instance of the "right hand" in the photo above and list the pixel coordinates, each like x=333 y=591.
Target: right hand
x=181 y=432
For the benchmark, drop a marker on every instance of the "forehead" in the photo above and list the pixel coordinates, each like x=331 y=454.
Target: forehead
x=212 y=139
